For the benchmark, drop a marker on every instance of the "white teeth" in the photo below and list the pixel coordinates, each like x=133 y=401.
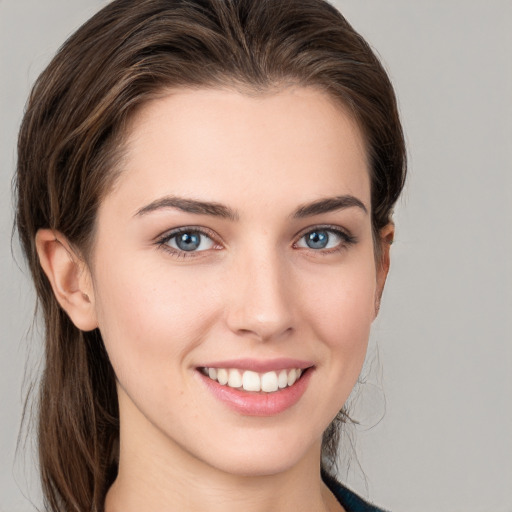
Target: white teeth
x=222 y=376
x=268 y=382
x=234 y=379
x=282 y=380
x=251 y=381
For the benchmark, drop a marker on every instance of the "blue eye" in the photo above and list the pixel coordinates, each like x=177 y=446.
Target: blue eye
x=317 y=239
x=189 y=241
x=324 y=238
x=185 y=242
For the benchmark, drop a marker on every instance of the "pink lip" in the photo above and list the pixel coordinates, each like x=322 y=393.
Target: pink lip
x=260 y=365
x=258 y=404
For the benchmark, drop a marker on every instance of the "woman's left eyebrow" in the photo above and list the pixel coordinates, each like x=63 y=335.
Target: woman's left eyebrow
x=328 y=204
x=318 y=207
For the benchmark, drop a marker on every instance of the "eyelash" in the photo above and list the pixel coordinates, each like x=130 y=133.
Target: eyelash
x=346 y=240
x=165 y=239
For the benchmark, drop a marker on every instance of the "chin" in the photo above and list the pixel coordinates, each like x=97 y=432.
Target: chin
x=266 y=457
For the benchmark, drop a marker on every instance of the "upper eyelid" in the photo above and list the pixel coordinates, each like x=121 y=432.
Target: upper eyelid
x=168 y=235
x=324 y=227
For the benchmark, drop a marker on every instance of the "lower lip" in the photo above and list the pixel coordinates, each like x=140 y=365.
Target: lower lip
x=259 y=404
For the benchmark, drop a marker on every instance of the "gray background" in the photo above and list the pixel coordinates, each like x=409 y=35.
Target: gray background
x=442 y=346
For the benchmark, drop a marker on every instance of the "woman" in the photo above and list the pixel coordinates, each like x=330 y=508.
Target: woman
x=205 y=191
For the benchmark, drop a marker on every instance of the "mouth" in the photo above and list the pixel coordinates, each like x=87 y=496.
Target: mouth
x=252 y=381
x=257 y=387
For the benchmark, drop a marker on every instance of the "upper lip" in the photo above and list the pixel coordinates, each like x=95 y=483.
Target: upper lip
x=260 y=365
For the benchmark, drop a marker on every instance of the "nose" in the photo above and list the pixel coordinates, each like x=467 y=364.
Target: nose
x=261 y=298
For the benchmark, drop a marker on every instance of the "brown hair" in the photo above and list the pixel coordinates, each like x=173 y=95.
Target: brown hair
x=69 y=147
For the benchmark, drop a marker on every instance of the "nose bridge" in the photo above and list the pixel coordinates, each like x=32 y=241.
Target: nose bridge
x=261 y=303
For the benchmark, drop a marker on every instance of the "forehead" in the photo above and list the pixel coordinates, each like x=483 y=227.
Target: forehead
x=296 y=143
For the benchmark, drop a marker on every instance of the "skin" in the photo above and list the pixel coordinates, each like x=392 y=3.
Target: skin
x=256 y=291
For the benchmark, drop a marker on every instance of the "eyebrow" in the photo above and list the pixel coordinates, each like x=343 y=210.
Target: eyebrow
x=219 y=210
x=329 y=204
x=190 y=206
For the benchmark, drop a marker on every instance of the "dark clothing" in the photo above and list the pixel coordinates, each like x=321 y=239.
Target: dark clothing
x=349 y=501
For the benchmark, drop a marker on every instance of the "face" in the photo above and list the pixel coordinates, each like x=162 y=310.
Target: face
x=235 y=253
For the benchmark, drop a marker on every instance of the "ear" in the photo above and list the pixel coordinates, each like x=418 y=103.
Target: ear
x=69 y=277
x=386 y=236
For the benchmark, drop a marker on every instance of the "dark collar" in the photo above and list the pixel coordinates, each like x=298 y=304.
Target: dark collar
x=350 y=501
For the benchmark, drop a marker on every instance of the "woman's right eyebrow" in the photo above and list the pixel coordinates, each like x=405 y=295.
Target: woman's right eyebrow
x=190 y=206
x=214 y=209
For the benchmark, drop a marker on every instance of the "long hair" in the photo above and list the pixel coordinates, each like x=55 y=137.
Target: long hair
x=70 y=146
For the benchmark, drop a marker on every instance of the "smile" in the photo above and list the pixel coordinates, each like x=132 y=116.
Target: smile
x=248 y=380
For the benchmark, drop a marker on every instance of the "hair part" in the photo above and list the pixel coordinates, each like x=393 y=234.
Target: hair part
x=71 y=145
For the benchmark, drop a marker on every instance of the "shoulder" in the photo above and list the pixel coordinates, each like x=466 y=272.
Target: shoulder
x=350 y=501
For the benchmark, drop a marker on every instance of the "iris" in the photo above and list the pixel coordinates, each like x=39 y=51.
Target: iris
x=188 y=241
x=317 y=239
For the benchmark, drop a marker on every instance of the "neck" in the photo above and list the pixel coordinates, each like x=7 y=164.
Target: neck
x=181 y=491
x=157 y=474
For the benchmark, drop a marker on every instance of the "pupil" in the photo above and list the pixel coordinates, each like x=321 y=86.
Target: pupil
x=188 y=241
x=317 y=239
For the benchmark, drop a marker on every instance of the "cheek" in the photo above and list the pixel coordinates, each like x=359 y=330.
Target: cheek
x=149 y=315
x=341 y=310
x=142 y=314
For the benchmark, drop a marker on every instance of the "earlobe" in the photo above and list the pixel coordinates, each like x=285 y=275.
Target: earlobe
x=69 y=277
x=386 y=236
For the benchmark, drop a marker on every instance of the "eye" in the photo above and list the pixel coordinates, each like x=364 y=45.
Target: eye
x=325 y=238
x=187 y=240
